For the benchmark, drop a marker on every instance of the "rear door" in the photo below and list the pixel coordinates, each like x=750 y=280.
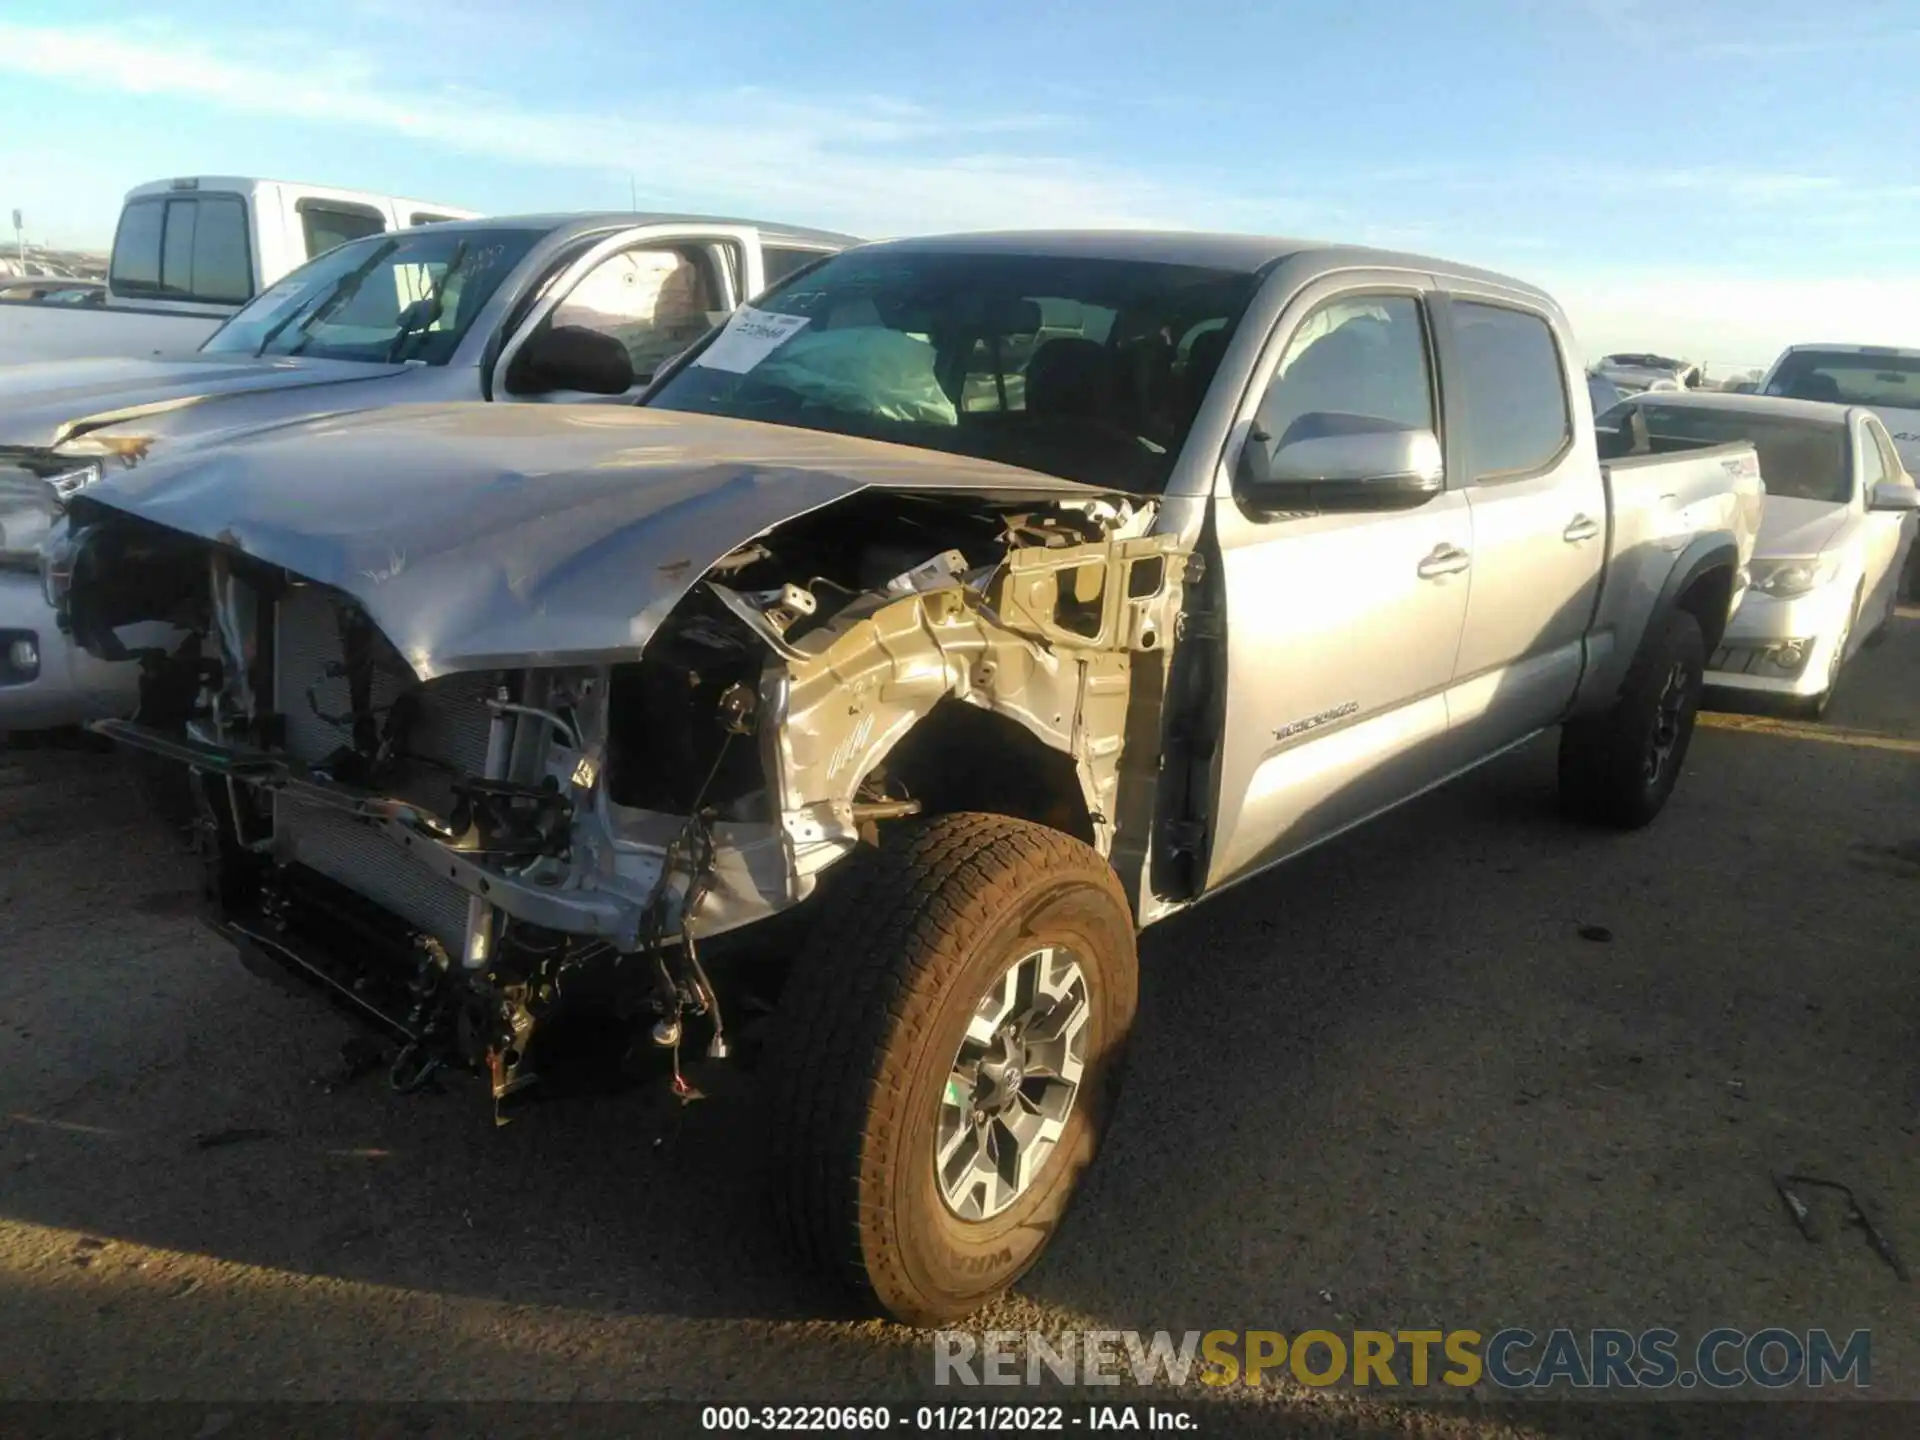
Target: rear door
x=655 y=288
x=1341 y=627
x=1521 y=423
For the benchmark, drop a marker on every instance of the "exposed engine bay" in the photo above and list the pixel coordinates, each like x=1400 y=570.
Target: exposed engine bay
x=461 y=858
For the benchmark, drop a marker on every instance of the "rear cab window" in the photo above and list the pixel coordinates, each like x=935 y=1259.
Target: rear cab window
x=188 y=247
x=1879 y=379
x=1514 y=410
x=654 y=299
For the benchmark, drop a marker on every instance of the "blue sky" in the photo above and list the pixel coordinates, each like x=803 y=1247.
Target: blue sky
x=1699 y=175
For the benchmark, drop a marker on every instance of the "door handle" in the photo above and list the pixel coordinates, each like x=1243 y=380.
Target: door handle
x=1445 y=560
x=1580 y=528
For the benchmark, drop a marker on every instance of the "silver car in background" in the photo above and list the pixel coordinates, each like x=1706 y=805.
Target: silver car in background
x=1633 y=373
x=538 y=309
x=1838 y=525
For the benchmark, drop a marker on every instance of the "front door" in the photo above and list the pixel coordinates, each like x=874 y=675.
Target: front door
x=654 y=288
x=1341 y=628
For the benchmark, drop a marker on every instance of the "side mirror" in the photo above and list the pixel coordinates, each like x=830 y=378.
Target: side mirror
x=1360 y=470
x=572 y=357
x=1889 y=496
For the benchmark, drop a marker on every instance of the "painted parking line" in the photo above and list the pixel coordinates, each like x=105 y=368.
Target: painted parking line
x=1801 y=730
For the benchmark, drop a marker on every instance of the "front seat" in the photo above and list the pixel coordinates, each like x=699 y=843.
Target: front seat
x=1070 y=376
x=1815 y=386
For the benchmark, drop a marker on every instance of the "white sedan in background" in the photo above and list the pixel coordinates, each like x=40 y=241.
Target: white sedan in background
x=1839 y=520
x=1884 y=378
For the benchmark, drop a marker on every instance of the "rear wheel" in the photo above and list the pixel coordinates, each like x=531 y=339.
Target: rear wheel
x=949 y=1053
x=1618 y=769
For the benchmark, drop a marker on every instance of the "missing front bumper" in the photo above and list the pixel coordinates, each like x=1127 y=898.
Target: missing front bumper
x=419 y=837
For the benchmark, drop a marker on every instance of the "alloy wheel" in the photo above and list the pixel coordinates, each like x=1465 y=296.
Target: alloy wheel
x=1013 y=1083
x=1669 y=715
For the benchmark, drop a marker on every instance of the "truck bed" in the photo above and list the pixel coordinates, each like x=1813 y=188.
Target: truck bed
x=1659 y=497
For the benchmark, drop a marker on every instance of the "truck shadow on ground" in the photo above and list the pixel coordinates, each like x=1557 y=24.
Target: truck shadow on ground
x=205 y=1112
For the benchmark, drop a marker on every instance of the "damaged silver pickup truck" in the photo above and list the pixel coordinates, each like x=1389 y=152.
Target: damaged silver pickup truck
x=928 y=630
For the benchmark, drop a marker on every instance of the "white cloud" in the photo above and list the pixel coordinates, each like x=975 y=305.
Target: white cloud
x=869 y=163
x=877 y=165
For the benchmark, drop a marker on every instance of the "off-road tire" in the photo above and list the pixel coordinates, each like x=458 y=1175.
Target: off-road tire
x=1604 y=776
x=915 y=932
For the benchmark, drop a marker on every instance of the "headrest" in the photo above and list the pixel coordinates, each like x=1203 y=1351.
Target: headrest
x=1070 y=376
x=1008 y=315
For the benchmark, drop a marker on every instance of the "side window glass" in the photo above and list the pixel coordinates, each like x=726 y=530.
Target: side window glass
x=326 y=226
x=1873 y=465
x=136 y=248
x=194 y=248
x=656 y=302
x=1889 y=455
x=1357 y=364
x=176 y=250
x=222 y=258
x=1514 y=391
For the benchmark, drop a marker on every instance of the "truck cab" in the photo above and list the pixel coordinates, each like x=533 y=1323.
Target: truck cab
x=953 y=611
x=188 y=252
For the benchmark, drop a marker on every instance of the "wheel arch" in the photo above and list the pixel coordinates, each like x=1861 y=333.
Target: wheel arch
x=965 y=758
x=1702 y=584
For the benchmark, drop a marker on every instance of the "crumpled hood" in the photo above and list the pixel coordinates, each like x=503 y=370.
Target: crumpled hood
x=41 y=405
x=479 y=536
x=1794 y=528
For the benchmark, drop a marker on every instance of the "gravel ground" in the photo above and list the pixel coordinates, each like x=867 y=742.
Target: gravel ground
x=1468 y=1068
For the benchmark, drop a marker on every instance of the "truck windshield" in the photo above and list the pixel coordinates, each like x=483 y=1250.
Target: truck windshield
x=1090 y=369
x=1800 y=459
x=405 y=296
x=1849 y=377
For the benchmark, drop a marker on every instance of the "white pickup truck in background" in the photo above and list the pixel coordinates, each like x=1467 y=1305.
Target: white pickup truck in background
x=189 y=252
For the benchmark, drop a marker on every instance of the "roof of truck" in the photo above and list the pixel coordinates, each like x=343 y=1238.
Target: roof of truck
x=1208 y=249
x=184 y=185
x=1814 y=412
x=585 y=220
x=1905 y=352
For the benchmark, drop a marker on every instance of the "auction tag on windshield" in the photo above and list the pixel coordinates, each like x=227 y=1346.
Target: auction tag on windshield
x=751 y=335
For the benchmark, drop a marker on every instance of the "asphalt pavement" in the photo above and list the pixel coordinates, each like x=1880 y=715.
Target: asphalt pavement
x=1468 y=1068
